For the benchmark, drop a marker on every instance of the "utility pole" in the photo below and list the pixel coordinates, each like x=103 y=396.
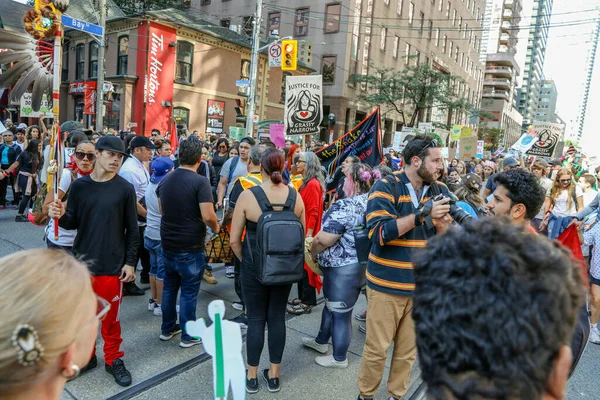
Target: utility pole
x=251 y=106
x=100 y=85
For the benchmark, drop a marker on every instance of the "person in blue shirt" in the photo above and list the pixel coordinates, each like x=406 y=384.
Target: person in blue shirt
x=468 y=194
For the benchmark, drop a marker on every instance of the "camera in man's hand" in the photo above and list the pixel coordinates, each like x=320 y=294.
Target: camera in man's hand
x=459 y=215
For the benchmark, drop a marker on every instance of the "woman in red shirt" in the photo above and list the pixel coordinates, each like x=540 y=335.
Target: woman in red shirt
x=311 y=191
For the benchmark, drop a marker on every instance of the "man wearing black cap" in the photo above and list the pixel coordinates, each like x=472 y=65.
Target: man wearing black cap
x=102 y=207
x=134 y=171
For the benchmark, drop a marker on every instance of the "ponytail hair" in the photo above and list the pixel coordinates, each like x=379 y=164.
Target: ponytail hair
x=272 y=164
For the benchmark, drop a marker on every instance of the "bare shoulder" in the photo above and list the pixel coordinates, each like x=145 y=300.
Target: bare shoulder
x=299 y=208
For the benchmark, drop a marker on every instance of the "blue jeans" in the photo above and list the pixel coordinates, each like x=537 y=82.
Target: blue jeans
x=185 y=271
x=157 y=263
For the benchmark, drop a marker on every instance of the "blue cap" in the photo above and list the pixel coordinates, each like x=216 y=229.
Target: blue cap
x=160 y=168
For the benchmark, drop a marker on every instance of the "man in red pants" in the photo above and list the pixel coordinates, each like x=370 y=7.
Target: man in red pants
x=102 y=207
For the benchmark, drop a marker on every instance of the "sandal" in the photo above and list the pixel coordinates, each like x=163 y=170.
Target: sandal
x=299 y=309
x=294 y=302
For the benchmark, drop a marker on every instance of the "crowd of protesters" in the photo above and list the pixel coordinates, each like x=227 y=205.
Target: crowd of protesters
x=160 y=203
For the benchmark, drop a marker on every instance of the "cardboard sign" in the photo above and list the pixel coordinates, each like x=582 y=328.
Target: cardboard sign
x=456 y=131
x=425 y=127
x=466 y=132
x=27 y=112
x=277 y=136
x=468 y=148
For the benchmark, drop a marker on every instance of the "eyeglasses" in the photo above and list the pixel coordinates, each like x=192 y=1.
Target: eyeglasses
x=433 y=143
x=81 y=155
x=300 y=161
x=565 y=180
x=222 y=146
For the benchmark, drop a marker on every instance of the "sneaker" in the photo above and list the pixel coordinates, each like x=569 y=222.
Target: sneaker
x=152 y=304
x=330 y=362
x=311 y=343
x=242 y=320
x=157 y=310
x=272 y=383
x=131 y=289
x=594 y=336
x=169 y=336
x=119 y=372
x=363 y=398
x=361 y=316
x=209 y=278
x=21 y=218
x=90 y=365
x=251 y=384
x=230 y=271
x=363 y=329
x=237 y=305
x=186 y=343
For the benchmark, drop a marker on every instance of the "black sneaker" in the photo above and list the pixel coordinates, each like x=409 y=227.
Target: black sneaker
x=363 y=398
x=21 y=218
x=272 y=383
x=131 y=289
x=242 y=320
x=251 y=384
x=168 y=336
x=91 y=365
x=119 y=372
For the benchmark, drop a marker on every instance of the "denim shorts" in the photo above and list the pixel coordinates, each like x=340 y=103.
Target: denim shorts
x=157 y=262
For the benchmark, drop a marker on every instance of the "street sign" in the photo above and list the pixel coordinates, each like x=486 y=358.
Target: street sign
x=73 y=23
x=242 y=83
x=275 y=55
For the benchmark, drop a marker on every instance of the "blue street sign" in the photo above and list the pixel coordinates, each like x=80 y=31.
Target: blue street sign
x=242 y=83
x=70 y=22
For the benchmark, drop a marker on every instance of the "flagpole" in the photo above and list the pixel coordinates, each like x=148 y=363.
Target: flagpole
x=56 y=134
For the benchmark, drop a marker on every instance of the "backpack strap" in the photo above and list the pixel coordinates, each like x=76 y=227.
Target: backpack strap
x=261 y=198
x=232 y=167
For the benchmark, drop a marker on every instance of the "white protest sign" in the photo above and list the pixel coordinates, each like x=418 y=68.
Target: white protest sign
x=303 y=112
x=27 y=111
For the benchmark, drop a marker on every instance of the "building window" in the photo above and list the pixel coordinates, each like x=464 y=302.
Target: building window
x=430 y=35
x=445 y=43
x=407 y=53
x=274 y=24
x=301 y=22
x=185 y=60
x=460 y=21
x=417 y=57
x=332 y=17
x=454 y=17
x=399 y=8
x=79 y=61
x=285 y=75
x=244 y=75
x=93 y=60
x=448 y=5
x=421 y=23
x=328 y=69
x=441 y=6
x=451 y=48
x=181 y=115
x=122 y=55
x=204 y=2
x=226 y=22
x=437 y=37
x=65 y=62
x=456 y=54
x=411 y=12
x=383 y=39
x=247 y=25
x=396 y=45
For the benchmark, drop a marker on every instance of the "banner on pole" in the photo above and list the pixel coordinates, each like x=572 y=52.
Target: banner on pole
x=362 y=141
x=548 y=136
x=89 y=101
x=303 y=104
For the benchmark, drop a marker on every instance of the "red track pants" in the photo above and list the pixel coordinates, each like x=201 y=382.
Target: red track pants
x=110 y=289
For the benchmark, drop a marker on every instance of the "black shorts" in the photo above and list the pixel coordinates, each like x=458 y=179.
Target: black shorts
x=594 y=281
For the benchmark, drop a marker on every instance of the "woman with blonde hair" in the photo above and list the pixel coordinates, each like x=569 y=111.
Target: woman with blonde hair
x=468 y=194
x=563 y=203
x=50 y=318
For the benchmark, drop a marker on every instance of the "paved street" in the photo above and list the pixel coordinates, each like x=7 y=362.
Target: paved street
x=163 y=370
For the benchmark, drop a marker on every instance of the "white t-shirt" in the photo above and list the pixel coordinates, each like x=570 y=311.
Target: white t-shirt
x=547 y=185
x=561 y=204
x=21 y=145
x=153 y=217
x=65 y=237
x=134 y=172
x=589 y=196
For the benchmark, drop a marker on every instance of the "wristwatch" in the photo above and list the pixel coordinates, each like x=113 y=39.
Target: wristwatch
x=418 y=216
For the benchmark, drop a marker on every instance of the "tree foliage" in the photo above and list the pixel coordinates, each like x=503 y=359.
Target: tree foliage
x=136 y=6
x=411 y=91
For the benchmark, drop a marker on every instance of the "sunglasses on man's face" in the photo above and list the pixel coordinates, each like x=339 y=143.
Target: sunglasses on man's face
x=81 y=155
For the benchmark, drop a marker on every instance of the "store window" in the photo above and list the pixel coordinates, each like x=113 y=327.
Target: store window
x=79 y=61
x=332 y=18
x=185 y=60
x=65 y=62
x=93 y=60
x=301 y=22
x=122 y=55
x=181 y=115
x=274 y=24
x=328 y=69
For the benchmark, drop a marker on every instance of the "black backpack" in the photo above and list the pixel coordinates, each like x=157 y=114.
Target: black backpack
x=279 y=241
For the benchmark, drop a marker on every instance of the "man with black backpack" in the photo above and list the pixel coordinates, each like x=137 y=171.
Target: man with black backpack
x=401 y=216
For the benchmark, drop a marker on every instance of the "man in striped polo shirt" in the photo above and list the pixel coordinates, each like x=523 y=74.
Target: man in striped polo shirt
x=400 y=218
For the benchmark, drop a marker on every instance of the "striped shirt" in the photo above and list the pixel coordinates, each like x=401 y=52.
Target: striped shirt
x=390 y=267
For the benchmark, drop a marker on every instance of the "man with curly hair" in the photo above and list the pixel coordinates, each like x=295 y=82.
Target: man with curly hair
x=490 y=325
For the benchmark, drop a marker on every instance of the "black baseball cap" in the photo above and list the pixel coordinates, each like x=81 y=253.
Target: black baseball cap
x=141 y=141
x=111 y=143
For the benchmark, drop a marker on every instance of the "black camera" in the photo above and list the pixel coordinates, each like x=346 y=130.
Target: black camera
x=459 y=215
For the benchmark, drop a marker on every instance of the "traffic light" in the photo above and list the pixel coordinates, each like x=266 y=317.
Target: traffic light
x=289 y=60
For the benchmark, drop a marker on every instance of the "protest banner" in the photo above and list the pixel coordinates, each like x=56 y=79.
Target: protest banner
x=548 y=136
x=455 y=134
x=467 y=148
x=480 y=149
x=303 y=112
x=276 y=134
x=526 y=141
x=362 y=141
x=466 y=132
